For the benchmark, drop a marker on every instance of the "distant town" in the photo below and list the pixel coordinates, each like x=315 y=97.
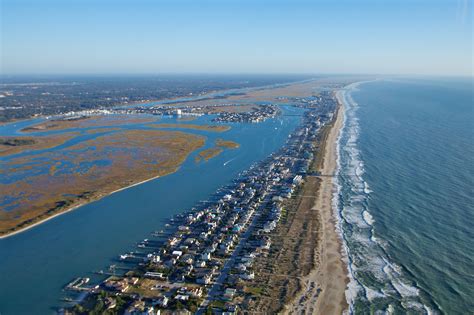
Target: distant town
x=257 y=113
x=53 y=95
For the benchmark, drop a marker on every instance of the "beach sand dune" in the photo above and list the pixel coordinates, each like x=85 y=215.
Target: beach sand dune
x=323 y=290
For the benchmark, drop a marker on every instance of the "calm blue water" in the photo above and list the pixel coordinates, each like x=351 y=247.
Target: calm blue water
x=35 y=265
x=406 y=195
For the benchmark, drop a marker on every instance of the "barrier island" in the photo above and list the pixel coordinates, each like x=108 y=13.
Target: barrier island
x=214 y=128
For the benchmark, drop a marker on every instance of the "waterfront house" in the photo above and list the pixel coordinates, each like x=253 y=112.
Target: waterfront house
x=177 y=253
x=229 y=294
x=206 y=279
x=206 y=256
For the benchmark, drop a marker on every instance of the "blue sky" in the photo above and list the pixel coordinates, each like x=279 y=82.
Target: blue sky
x=227 y=36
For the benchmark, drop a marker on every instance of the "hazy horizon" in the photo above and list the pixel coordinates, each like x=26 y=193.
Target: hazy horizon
x=304 y=76
x=420 y=38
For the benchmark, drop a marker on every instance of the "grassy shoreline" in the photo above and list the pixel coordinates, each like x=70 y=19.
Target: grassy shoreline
x=113 y=181
x=61 y=211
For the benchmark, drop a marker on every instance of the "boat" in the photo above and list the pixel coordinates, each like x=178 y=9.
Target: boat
x=125 y=256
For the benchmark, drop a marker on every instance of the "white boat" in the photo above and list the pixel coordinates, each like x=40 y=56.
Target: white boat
x=125 y=256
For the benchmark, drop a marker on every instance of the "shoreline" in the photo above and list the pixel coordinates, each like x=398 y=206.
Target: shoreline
x=352 y=284
x=323 y=290
x=67 y=210
x=122 y=181
x=173 y=100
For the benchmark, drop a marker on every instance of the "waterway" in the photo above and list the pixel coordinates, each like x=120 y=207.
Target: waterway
x=36 y=265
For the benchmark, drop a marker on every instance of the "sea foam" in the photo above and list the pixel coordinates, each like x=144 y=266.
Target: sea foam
x=368 y=218
x=371 y=274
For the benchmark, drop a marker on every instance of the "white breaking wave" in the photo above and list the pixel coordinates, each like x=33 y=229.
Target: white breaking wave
x=372 y=294
x=405 y=289
x=366 y=188
x=368 y=217
x=390 y=309
x=363 y=252
x=353 y=286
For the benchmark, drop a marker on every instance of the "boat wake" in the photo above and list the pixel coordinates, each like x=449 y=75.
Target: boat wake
x=227 y=162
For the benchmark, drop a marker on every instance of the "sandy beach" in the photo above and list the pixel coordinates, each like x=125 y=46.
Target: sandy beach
x=324 y=288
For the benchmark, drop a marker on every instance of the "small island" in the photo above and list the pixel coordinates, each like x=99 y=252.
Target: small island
x=213 y=128
x=220 y=145
x=227 y=144
x=208 y=154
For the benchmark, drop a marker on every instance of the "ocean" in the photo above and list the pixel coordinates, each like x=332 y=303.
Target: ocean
x=404 y=195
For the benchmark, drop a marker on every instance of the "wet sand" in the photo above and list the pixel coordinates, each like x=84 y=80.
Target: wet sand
x=324 y=288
